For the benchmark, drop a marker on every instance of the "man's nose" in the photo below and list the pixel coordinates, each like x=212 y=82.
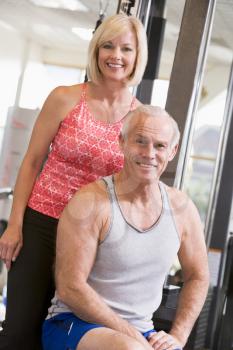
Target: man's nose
x=150 y=151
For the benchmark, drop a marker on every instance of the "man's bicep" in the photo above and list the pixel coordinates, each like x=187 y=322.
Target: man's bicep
x=77 y=241
x=192 y=253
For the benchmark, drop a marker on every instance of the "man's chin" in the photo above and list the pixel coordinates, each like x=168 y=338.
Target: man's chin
x=147 y=179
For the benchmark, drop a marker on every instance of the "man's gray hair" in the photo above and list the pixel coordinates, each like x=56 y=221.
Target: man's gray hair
x=151 y=111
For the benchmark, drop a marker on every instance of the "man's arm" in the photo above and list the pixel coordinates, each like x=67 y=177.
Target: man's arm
x=193 y=259
x=81 y=227
x=194 y=263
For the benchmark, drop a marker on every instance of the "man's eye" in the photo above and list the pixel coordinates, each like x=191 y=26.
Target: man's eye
x=141 y=141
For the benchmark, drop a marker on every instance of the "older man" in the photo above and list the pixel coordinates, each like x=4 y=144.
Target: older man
x=117 y=239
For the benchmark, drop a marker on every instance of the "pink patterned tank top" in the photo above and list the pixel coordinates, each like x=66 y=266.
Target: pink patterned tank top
x=83 y=150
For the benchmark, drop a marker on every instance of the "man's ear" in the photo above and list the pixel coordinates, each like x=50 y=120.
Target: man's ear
x=173 y=152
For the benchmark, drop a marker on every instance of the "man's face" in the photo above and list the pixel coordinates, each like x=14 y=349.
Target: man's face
x=147 y=147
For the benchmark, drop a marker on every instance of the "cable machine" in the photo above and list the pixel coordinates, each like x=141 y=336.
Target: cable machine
x=185 y=83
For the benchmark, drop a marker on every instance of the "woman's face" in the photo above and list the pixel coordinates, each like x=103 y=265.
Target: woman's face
x=117 y=57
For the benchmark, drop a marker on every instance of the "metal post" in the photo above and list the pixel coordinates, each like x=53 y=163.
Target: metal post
x=186 y=77
x=130 y=7
x=153 y=16
x=151 y=13
x=219 y=212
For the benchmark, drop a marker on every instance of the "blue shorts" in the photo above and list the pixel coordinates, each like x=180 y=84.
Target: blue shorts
x=64 y=331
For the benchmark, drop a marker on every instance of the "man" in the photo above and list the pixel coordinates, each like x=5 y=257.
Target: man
x=117 y=239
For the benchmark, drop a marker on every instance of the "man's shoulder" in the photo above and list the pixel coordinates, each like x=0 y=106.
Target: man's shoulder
x=97 y=187
x=179 y=200
x=184 y=211
x=174 y=193
x=89 y=205
x=92 y=193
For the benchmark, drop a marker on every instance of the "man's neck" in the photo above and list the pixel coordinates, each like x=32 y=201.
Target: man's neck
x=135 y=191
x=141 y=204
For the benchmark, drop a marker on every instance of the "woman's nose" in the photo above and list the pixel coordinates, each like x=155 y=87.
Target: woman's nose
x=116 y=53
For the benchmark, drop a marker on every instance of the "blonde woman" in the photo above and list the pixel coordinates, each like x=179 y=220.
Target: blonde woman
x=77 y=131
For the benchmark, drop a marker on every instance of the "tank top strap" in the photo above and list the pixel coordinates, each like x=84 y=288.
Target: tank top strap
x=110 y=186
x=133 y=102
x=165 y=199
x=112 y=198
x=84 y=92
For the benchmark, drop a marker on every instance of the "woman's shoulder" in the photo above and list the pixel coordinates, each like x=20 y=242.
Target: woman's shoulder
x=63 y=99
x=67 y=93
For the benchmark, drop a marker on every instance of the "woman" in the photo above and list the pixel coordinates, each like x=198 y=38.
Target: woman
x=80 y=125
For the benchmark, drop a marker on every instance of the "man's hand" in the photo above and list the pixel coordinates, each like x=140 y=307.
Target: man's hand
x=164 y=341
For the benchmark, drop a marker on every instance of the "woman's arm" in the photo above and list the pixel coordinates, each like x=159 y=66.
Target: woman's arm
x=55 y=108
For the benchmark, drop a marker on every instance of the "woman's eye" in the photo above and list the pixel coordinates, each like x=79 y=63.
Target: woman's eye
x=127 y=49
x=107 y=46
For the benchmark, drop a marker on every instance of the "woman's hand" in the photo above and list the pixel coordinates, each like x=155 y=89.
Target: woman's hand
x=10 y=244
x=164 y=341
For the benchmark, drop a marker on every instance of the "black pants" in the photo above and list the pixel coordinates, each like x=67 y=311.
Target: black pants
x=30 y=284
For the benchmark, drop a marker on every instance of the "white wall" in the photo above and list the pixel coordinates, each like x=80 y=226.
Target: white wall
x=25 y=82
x=69 y=58
x=11 y=54
x=15 y=51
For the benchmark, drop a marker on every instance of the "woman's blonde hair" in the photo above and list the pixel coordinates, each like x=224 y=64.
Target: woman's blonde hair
x=112 y=27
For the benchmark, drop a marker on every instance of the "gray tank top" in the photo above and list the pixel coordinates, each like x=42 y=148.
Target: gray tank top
x=131 y=265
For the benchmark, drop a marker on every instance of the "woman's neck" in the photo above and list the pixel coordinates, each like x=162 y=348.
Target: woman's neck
x=110 y=92
x=108 y=102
